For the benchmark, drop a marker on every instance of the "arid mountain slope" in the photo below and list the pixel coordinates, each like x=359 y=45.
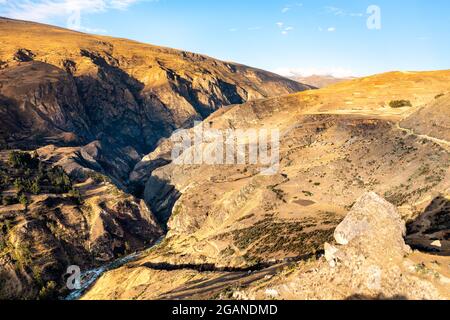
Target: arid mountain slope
x=337 y=144
x=432 y=120
x=320 y=81
x=86 y=108
x=100 y=87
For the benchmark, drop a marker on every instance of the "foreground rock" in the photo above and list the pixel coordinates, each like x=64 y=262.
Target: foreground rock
x=375 y=223
x=370 y=261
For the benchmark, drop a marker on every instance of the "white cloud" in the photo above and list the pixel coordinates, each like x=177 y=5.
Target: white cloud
x=338 y=72
x=46 y=10
x=331 y=29
x=284 y=30
x=122 y=4
x=341 y=12
x=334 y=10
x=289 y=7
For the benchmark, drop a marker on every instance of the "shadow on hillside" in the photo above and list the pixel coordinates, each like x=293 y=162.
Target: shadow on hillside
x=161 y=197
x=205 y=267
x=378 y=297
x=431 y=227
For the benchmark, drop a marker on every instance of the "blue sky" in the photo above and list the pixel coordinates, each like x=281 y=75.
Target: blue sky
x=304 y=36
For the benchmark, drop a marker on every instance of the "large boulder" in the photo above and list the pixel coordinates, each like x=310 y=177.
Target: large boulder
x=372 y=231
x=375 y=226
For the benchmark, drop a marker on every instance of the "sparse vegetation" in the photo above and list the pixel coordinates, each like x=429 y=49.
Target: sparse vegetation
x=227 y=252
x=280 y=193
x=400 y=104
x=423 y=270
x=307 y=193
x=271 y=236
x=98 y=177
x=48 y=291
x=23 y=200
x=22 y=255
x=59 y=180
x=28 y=175
x=76 y=195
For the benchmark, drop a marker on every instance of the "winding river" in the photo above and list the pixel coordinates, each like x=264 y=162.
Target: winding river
x=88 y=278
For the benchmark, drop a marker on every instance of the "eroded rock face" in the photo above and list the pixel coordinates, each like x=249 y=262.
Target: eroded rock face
x=431 y=230
x=84 y=222
x=374 y=221
x=370 y=241
x=40 y=101
x=128 y=93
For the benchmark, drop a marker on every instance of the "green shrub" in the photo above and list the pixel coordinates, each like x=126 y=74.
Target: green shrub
x=400 y=103
x=3 y=244
x=98 y=177
x=35 y=187
x=22 y=160
x=48 y=291
x=59 y=180
x=76 y=195
x=4 y=178
x=23 y=199
x=22 y=254
x=19 y=184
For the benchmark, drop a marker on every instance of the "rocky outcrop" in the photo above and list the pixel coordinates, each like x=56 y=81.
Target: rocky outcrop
x=372 y=229
x=369 y=261
x=40 y=104
x=58 y=232
x=375 y=220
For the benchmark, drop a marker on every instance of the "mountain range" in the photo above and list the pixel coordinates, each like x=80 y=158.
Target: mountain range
x=320 y=81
